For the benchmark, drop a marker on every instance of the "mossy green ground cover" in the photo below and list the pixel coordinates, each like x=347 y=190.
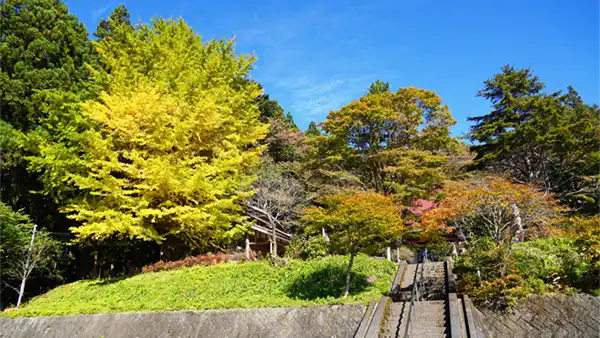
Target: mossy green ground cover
x=224 y=286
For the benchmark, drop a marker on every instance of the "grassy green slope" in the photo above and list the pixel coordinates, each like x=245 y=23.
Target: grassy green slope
x=224 y=286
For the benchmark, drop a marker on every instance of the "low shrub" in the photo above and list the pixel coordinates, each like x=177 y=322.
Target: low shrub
x=439 y=248
x=556 y=261
x=308 y=247
x=207 y=259
x=406 y=254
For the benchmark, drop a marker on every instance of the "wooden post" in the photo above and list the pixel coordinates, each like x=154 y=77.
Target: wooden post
x=247 y=248
x=389 y=253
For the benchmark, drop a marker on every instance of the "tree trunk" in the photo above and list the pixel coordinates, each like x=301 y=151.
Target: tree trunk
x=518 y=224
x=26 y=268
x=347 y=287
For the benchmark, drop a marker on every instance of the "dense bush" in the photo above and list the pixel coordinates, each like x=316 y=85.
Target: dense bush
x=498 y=276
x=552 y=260
x=439 y=247
x=585 y=231
x=308 y=247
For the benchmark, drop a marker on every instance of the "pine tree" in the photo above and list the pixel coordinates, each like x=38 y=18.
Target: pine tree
x=45 y=47
x=505 y=91
x=119 y=17
x=379 y=87
x=550 y=140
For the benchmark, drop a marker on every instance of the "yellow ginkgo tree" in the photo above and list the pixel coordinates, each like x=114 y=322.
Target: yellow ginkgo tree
x=176 y=142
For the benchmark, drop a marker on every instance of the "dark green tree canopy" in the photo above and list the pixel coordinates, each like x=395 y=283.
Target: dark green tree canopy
x=504 y=91
x=284 y=138
x=119 y=16
x=269 y=108
x=43 y=47
x=551 y=140
x=45 y=56
x=312 y=129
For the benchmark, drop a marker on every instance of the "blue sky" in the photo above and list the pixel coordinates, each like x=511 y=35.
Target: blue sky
x=315 y=56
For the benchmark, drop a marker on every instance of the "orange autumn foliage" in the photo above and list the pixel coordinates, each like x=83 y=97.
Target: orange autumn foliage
x=586 y=232
x=491 y=206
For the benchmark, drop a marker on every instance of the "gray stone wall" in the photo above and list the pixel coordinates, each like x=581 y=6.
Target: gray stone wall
x=553 y=316
x=316 y=321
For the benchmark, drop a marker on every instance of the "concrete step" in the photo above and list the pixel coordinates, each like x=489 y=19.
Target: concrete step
x=428 y=322
x=390 y=327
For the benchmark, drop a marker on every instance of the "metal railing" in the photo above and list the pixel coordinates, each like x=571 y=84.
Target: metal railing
x=414 y=300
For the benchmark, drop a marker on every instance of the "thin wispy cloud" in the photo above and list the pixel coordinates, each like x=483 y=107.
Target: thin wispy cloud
x=311 y=83
x=315 y=101
x=96 y=13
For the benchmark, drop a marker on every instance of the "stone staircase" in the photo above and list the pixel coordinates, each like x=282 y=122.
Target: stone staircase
x=429 y=313
x=432 y=309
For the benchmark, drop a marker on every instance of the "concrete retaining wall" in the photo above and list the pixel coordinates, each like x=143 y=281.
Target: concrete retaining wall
x=317 y=321
x=554 y=316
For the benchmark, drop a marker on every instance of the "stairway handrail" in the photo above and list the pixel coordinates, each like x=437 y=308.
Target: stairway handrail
x=413 y=299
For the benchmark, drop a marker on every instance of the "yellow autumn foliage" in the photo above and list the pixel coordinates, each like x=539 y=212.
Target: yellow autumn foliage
x=177 y=139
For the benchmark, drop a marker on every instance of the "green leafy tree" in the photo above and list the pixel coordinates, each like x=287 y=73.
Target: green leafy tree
x=176 y=146
x=11 y=141
x=356 y=222
x=269 y=108
x=12 y=222
x=284 y=140
x=44 y=47
x=312 y=129
x=21 y=256
x=395 y=143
